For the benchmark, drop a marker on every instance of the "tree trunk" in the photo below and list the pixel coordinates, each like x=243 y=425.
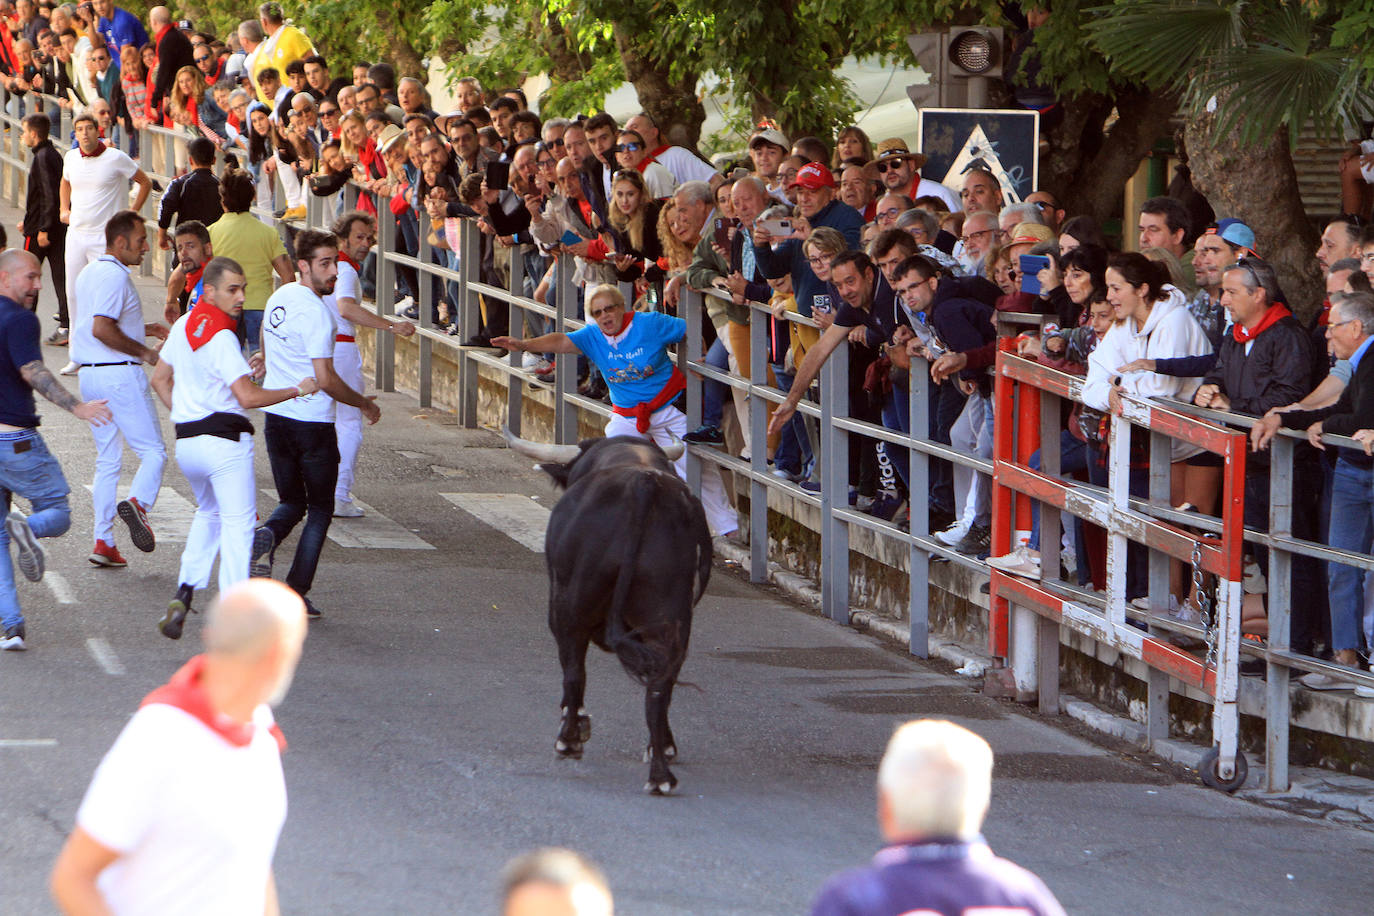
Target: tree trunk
x=1259 y=185
x=673 y=104
x=403 y=56
x=1087 y=167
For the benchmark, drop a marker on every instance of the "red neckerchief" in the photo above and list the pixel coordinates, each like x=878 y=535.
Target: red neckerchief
x=350 y=262
x=656 y=153
x=157 y=39
x=1324 y=316
x=205 y=322
x=585 y=208
x=643 y=164
x=194 y=277
x=185 y=693
x=662 y=264
x=1273 y=316
x=677 y=383
x=99 y=148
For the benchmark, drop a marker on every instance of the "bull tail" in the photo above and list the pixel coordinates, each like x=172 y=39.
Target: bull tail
x=640 y=660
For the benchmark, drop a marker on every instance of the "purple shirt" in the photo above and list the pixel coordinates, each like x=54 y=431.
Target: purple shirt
x=935 y=878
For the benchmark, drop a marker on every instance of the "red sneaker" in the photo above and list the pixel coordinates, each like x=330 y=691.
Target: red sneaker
x=107 y=555
x=140 y=532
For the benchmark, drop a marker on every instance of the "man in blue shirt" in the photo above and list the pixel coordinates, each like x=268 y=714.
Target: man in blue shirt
x=934 y=783
x=631 y=351
x=119 y=27
x=27 y=469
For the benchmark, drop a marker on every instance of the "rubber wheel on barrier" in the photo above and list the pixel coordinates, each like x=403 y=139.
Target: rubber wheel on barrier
x=1208 y=770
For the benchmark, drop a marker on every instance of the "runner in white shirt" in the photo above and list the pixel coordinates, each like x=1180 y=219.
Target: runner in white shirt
x=95 y=186
x=184 y=812
x=208 y=387
x=298 y=334
x=357 y=232
x=107 y=343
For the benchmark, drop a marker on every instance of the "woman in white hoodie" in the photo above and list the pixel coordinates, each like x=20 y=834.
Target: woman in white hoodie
x=1153 y=322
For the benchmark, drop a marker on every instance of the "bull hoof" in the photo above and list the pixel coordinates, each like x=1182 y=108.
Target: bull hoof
x=584 y=727
x=568 y=751
x=669 y=753
x=661 y=788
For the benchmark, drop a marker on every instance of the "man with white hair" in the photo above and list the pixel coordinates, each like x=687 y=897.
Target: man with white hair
x=554 y=881
x=184 y=812
x=934 y=783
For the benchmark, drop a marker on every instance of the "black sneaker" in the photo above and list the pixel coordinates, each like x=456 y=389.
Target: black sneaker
x=977 y=543
x=311 y=612
x=13 y=640
x=940 y=519
x=705 y=434
x=264 y=549
x=172 y=622
x=478 y=342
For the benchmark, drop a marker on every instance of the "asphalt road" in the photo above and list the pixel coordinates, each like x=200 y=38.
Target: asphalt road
x=422 y=722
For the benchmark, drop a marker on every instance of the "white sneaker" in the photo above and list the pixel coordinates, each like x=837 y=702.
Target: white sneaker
x=1020 y=562
x=953 y=534
x=530 y=360
x=70 y=368
x=1185 y=612
x=347 y=508
x=1363 y=691
x=1315 y=681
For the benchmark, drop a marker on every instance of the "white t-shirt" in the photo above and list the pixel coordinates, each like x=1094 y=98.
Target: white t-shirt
x=105 y=288
x=201 y=378
x=928 y=188
x=685 y=164
x=297 y=327
x=345 y=287
x=100 y=186
x=195 y=818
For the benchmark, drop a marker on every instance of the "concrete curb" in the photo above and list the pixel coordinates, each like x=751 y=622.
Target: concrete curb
x=1340 y=798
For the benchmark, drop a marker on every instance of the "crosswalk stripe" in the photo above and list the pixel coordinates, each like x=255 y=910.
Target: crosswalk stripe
x=373 y=530
x=61 y=591
x=518 y=517
x=104 y=655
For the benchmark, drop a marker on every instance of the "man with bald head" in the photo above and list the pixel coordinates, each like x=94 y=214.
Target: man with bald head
x=981 y=192
x=174 y=51
x=184 y=812
x=27 y=469
x=554 y=882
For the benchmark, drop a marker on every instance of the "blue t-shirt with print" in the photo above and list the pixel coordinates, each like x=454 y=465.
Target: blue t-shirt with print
x=636 y=364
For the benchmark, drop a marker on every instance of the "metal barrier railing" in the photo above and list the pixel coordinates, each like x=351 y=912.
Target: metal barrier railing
x=1026 y=641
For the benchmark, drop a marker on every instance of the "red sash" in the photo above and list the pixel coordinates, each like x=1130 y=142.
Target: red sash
x=205 y=322
x=185 y=693
x=677 y=383
x=1273 y=316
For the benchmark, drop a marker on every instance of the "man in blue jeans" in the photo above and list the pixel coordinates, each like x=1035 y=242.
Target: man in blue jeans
x=299 y=333
x=1349 y=327
x=27 y=469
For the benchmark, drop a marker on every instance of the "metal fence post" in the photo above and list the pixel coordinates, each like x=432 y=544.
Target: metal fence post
x=565 y=364
x=424 y=306
x=918 y=463
x=1046 y=630
x=758 y=446
x=1276 y=709
x=384 y=359
x=1156 y=681
x=690 y=308
x=834 y=486
x=470 y=261
x=519 y=325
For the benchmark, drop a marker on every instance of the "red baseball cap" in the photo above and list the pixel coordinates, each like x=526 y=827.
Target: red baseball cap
x=813 y=175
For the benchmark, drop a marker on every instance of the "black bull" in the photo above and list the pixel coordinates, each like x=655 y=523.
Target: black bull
x=629 y=555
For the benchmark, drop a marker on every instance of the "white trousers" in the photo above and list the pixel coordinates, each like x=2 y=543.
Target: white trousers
x=221 y=476
x=135 y=422
x=664 y=426
x=290 y=184
x=348 y=421
x=83 y=247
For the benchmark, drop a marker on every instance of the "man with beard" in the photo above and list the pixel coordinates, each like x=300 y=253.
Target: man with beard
x=193 y=250
x=299 y=334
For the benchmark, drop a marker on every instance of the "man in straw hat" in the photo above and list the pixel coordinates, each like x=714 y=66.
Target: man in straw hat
x=899 y=168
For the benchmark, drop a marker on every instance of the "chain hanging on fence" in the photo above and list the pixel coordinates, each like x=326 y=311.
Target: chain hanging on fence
x=1204 y=607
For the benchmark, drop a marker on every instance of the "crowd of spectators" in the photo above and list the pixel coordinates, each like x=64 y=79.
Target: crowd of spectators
x=910 y=275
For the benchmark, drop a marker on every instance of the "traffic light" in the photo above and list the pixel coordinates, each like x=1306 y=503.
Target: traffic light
x=960 y=61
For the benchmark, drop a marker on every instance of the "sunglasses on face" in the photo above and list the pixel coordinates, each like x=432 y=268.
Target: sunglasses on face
x=627 y=147
x=201 y=60
x=331 y=113
x=884 y=166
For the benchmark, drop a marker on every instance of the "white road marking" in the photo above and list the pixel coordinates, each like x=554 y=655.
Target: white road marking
x=170 y=519
x=518 y=517
x=61 y=591
x=373 y=530
x=104 y=656
x=28 y=742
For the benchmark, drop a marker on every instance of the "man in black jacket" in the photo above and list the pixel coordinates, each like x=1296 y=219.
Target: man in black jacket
x=1350 y=328
x=194 y=195
x=45 y=235
x=1264 y=362
x=174 y=51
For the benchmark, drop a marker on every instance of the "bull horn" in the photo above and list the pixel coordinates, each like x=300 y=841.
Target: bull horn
x=674 y=449
x=541 y=451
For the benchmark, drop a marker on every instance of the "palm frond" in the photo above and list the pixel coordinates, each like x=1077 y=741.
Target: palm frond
x=1161 y=41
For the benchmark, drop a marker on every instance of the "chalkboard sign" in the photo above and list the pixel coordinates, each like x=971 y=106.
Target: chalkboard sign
x=1005 y=143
